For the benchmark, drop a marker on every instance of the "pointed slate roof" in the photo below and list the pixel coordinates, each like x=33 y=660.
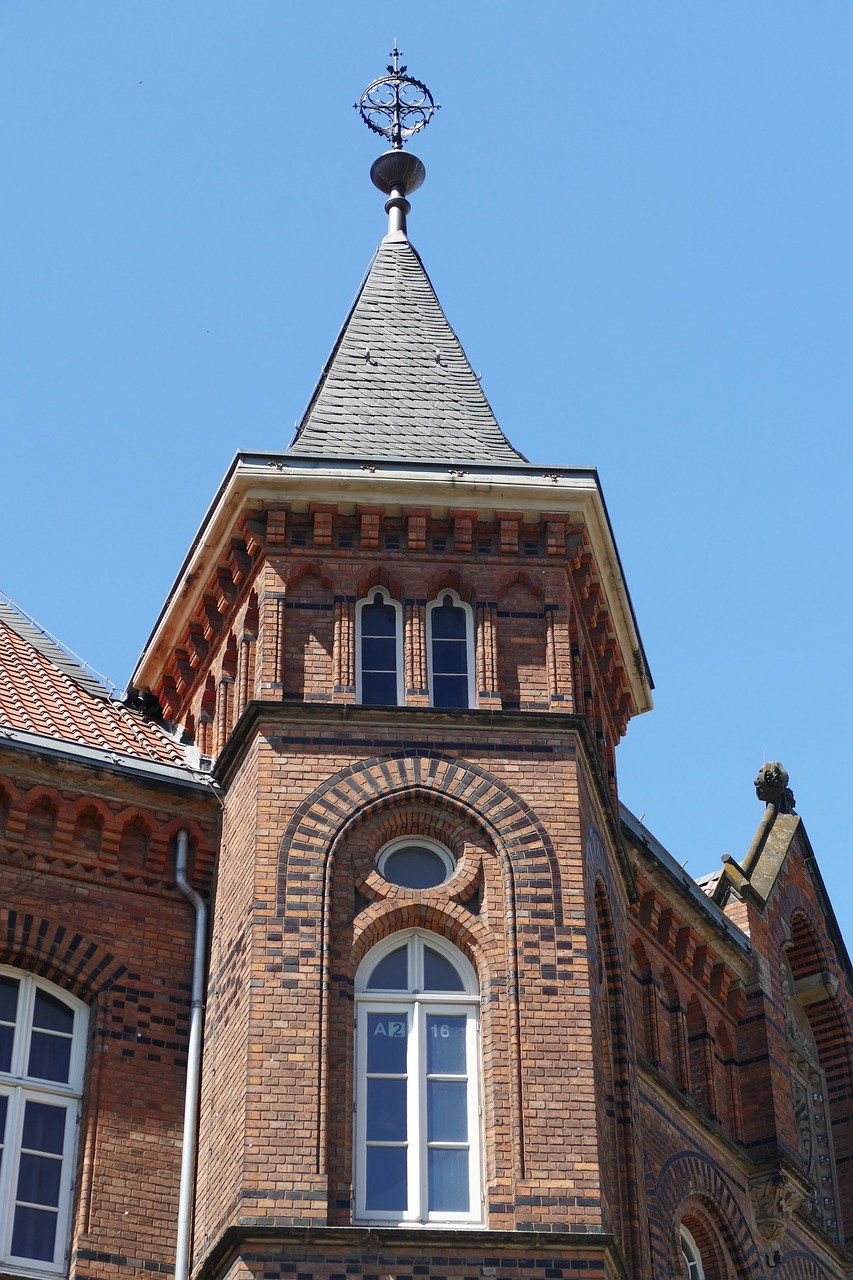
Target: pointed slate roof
x=44 y=691
x=398 y=384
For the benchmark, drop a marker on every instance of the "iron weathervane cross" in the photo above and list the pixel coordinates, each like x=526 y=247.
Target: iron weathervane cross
x=396 y=106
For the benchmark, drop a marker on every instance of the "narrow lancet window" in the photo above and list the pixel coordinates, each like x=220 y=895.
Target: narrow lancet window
x=379 y=650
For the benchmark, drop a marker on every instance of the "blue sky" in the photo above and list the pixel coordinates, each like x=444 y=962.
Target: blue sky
x=637 y=218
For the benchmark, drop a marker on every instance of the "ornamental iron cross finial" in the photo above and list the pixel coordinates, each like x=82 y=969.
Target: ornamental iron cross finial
x=396 y=105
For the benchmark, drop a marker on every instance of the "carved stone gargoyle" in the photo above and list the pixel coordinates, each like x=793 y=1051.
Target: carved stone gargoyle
x=771 y=786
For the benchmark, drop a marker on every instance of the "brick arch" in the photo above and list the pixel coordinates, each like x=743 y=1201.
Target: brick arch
x=379 y=577
x=323 y=817
x=450 y=580
x=691 y=1181
x=452 y=922
x=309 y=569
x=39 y=946
x=521 y=579
x=799 y=1266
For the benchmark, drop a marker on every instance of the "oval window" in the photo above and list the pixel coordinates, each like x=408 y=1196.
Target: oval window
x=415 y=864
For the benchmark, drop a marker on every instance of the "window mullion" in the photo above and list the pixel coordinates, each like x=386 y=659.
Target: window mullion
x=417 y=1115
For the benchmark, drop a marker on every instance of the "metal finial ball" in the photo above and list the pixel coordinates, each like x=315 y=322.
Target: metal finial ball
x=396 y=105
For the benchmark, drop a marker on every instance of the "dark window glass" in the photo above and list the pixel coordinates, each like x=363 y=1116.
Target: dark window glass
x=386 y=1179
x=379 y=653
x=439 y=973
x=52 y=1014
x=34 y=1233
x=391 y=973
x=449 y=655
x=386 y=1109
x=50 y=1057
x=415 y=867
x=448 y=1180
x=8 y=999
x=387 y=1043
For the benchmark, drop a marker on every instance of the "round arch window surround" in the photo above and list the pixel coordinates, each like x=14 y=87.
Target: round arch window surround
x=415 y=862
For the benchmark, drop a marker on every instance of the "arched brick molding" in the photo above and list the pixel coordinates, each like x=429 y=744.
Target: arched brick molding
x=52 y=951
x=528 y=862
x=799 y=1266
x=799 y=931
x=691 y=1180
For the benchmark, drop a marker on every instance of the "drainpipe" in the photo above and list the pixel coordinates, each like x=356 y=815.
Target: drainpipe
x=190 y=1134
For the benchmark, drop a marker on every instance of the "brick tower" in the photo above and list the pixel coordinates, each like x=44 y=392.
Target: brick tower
x=411 y=658
x=465 y=1016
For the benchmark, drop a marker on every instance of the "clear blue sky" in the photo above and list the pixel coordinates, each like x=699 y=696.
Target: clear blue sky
x=637 y=217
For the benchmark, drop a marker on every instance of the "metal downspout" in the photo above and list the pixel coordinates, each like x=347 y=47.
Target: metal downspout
x=190 y=1133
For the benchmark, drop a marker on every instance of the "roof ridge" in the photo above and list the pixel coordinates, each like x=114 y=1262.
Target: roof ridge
x=68 y=662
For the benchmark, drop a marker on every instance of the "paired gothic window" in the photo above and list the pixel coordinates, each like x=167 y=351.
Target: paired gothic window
x=417 y=1118
x=450 y=645
x=42 y=1034
x=379 y=650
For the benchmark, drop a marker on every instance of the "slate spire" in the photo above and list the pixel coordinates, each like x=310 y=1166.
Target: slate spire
x=398 y=385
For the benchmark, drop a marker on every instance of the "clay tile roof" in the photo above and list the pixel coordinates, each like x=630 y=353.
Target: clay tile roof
x=398 y=384
x=44 y=691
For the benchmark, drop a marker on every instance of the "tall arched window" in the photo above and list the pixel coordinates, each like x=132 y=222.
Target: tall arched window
x=42 y=1043
x=417 y=1115
x=450 y=646
x=379 y=650
x=691 y=1255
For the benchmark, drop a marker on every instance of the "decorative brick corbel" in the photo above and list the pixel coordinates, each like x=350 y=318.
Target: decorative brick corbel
x=417 y=519
x=239 y=561
x=324 y=518
x=776 y=1194
x=464 y=523
x=276 y=525
x=371 y=522
x=509 y=526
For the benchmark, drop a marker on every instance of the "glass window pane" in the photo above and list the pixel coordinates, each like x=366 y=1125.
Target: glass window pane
x=448 y=1181
x=449 y=657
x=439 y=973
x=450 y=691
x=52 y=1014
x=379 y=654
x=38 y=1179
x=387 y=1039
x=8 y=998
x=448 y=623
x=50 y=1057
x=7 y=1039
x=379 y=688
x=415 y=867
x=44 y=1128
x=379 y=620
x=447 y=1111
x=386 y=1110
x=4 y=1107
x=386 y=1179
x=446 y=1044
x=391 y=974
x=34 y=1234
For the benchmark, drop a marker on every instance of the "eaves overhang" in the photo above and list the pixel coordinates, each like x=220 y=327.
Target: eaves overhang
x=487 y=487
x=154 y=772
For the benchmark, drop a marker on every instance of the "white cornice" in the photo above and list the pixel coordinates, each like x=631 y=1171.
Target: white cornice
x=272 y=478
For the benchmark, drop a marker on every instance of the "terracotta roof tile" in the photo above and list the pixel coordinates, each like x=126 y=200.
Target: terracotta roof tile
x=44 y=691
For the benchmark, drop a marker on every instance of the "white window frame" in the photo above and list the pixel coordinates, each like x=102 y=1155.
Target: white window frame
x=469 y=646
x=416 y=1005
x=425 y=842
x=21 y=1088
x=387 y=598
x=691 y=1255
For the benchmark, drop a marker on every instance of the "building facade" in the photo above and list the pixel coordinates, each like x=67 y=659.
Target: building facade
x=463 y=1015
